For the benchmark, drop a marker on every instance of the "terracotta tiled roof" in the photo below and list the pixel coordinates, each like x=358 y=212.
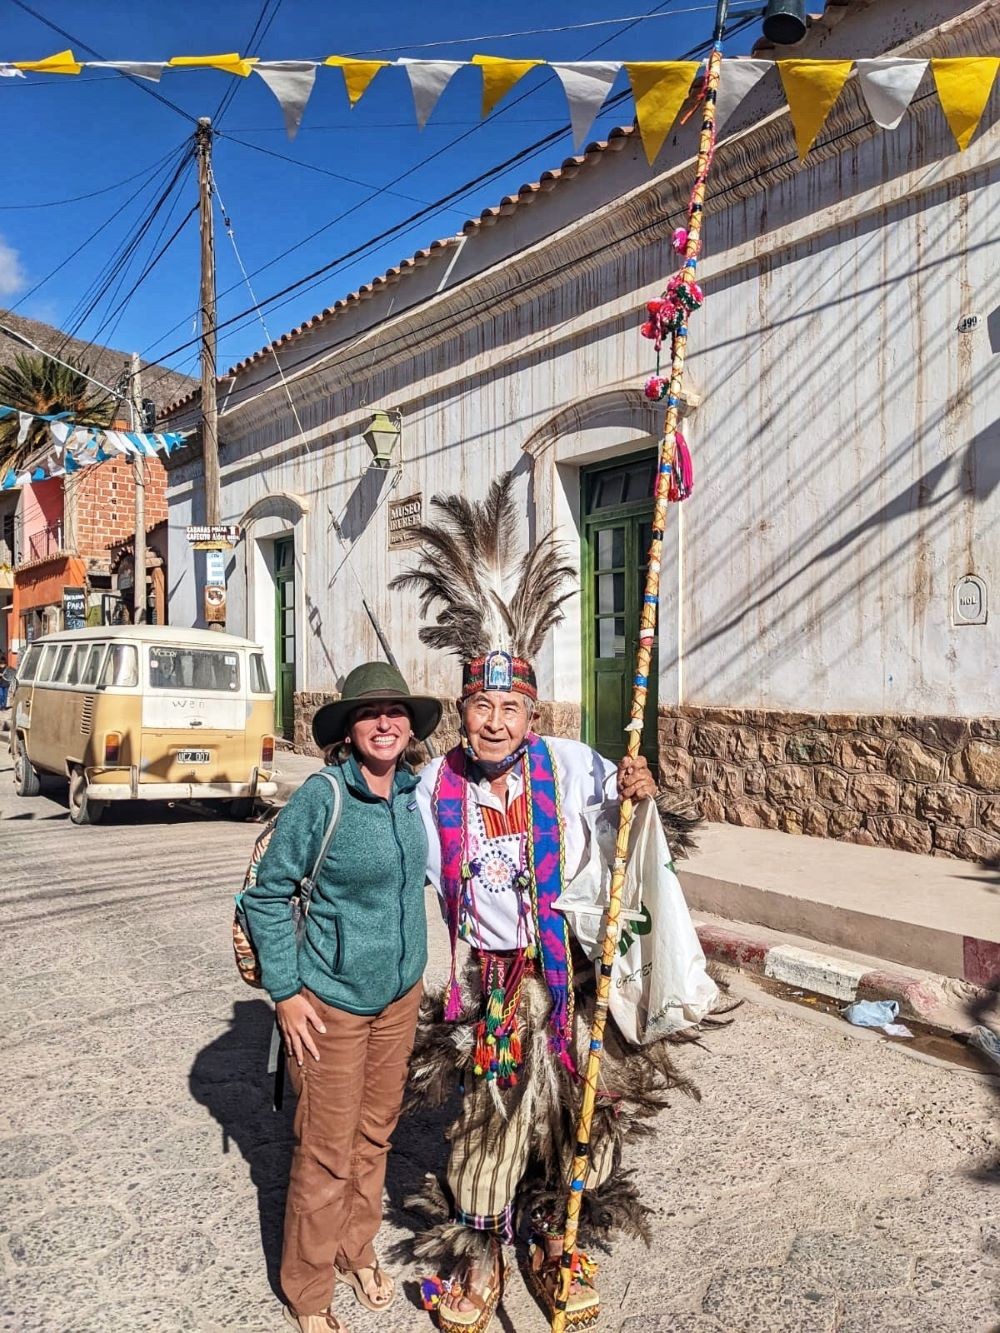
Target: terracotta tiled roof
x=527 y=194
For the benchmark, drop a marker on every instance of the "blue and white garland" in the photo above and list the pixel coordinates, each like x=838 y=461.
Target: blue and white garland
x=76 y=447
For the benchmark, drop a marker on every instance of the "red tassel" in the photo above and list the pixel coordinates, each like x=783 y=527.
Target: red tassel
x=453 y=1007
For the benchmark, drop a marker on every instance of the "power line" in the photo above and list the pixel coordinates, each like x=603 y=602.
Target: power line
x=310 y=279
x=258 y=34
x=77 y=198
x=414 y=218
x=515 y=289
x=78 y=42
x=323 y=171
x=112 y=217
x=116 y=265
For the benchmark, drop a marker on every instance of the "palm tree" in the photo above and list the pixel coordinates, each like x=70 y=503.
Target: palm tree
x=35 y=383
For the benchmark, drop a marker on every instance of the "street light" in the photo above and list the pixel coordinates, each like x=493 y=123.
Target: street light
x=382 y=436
x=139 y=538
x=785 y=22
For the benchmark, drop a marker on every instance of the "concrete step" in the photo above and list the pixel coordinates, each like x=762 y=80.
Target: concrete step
x=931 y=914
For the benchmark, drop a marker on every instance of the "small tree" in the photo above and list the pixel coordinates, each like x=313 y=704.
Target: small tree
x=35 y=383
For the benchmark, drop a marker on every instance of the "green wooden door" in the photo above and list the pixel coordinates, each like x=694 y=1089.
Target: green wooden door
x=284 y=629
x=617 y=514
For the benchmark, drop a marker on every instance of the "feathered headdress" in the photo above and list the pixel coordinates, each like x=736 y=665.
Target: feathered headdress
x=495 y=606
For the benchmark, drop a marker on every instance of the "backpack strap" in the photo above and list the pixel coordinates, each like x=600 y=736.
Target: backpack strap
x=307 y=885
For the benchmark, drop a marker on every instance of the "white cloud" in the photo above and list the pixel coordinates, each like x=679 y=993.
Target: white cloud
x=12 y=275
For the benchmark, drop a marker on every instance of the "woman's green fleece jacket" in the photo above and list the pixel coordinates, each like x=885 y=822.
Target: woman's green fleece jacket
x=365 y=939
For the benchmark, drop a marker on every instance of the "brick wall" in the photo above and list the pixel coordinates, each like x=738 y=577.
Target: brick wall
x=920 y=784
x=104 y=503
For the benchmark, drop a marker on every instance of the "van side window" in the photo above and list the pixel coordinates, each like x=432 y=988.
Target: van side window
x=29 y=665
x=258 y=675
x=92 y=667
x=122 y=666
x=46 y=663
x=77 y=662
x=61 y=672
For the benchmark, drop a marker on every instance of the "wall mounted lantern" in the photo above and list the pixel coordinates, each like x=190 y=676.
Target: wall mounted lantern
x=383 y=439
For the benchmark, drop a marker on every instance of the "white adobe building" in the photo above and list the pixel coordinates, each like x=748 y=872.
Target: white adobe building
x=820 y=664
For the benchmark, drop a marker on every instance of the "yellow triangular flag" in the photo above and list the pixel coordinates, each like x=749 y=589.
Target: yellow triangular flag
x=358 y=74
x=964 y=84
x=232 y=63
x=499 y=76
x=811 y=87
x=659 y=88
x=63 y=62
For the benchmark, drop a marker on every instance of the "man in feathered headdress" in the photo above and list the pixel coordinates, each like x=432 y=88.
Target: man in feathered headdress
x=510 y=817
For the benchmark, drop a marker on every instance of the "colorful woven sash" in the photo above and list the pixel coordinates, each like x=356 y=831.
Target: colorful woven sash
x=545 y=867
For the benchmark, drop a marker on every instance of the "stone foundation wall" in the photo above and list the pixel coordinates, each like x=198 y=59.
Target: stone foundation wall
x=920 y=784
x=552 y=719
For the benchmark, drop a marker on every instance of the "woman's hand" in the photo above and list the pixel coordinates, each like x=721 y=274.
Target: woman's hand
x=294 y=1018
x=635 y=782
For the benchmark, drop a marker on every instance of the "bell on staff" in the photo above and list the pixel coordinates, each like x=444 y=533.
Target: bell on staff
x=785 y=21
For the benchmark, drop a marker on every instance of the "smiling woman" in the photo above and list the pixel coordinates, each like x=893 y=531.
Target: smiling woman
x=347 y=991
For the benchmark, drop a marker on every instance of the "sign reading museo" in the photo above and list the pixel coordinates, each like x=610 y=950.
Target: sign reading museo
x=404 y=516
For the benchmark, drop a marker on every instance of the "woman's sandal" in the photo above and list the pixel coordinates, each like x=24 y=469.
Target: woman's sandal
x=541 y=1273
x=479 y=1319
x=382 y=1281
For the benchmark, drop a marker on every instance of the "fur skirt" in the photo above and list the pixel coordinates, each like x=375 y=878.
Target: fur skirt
x=635 y=1085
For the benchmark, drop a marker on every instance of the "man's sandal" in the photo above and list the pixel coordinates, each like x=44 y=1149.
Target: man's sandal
x=383 y=1283
x=541 y=1273
x=485 y=1302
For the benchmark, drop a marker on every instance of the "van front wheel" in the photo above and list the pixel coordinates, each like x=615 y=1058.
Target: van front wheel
x=25 y=777
x=82 y=810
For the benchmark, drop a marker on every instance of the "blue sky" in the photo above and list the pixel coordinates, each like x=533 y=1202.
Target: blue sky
x=67 y=137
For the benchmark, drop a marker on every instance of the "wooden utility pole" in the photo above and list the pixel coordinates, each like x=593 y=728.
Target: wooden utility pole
x=209 y=404
x=139 y=470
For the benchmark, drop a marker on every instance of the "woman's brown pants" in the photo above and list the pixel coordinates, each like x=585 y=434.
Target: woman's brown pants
x=349 y=1103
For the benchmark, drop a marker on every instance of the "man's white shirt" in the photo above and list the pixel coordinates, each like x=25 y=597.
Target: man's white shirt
x=587 y=784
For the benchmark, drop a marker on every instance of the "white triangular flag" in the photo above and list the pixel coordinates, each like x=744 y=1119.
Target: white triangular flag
x=428 y=80
x=586 y=84
x=139 y=69
x=9 y=72
x=291 y=81
x=60 y=431
x=24 y=424
x=888 y=86
x=737 y=80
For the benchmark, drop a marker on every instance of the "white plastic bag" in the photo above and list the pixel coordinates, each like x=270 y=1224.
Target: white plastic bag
x=659 y=983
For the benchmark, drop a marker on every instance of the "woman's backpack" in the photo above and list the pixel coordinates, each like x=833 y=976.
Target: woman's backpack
x=247 y=961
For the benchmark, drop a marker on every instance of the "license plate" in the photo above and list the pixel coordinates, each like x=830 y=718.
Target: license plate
x=193 y=757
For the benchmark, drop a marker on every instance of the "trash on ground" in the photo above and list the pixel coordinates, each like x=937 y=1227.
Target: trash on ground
x=871 y=1013
x=896 y=1030
x=986 y=1040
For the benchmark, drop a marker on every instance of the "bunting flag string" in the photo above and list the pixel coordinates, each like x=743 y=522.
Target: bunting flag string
x=68 y=447
x=660 y=89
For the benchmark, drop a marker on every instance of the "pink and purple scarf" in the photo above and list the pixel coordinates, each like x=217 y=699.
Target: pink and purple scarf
x=545 y=868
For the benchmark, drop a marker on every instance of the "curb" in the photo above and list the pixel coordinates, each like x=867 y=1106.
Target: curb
x=938 y=1002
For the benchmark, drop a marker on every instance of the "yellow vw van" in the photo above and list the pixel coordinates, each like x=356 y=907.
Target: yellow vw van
x=144 y=713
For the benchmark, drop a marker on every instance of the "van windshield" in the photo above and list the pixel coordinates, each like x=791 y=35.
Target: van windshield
x=193 y=669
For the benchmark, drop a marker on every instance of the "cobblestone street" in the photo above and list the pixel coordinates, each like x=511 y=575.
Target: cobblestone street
x=827 y=1181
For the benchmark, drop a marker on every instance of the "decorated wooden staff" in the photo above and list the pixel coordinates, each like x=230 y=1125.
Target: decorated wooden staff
x=673 y=482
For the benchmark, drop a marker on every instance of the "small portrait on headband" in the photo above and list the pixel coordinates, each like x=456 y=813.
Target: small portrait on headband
x=499 y=671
